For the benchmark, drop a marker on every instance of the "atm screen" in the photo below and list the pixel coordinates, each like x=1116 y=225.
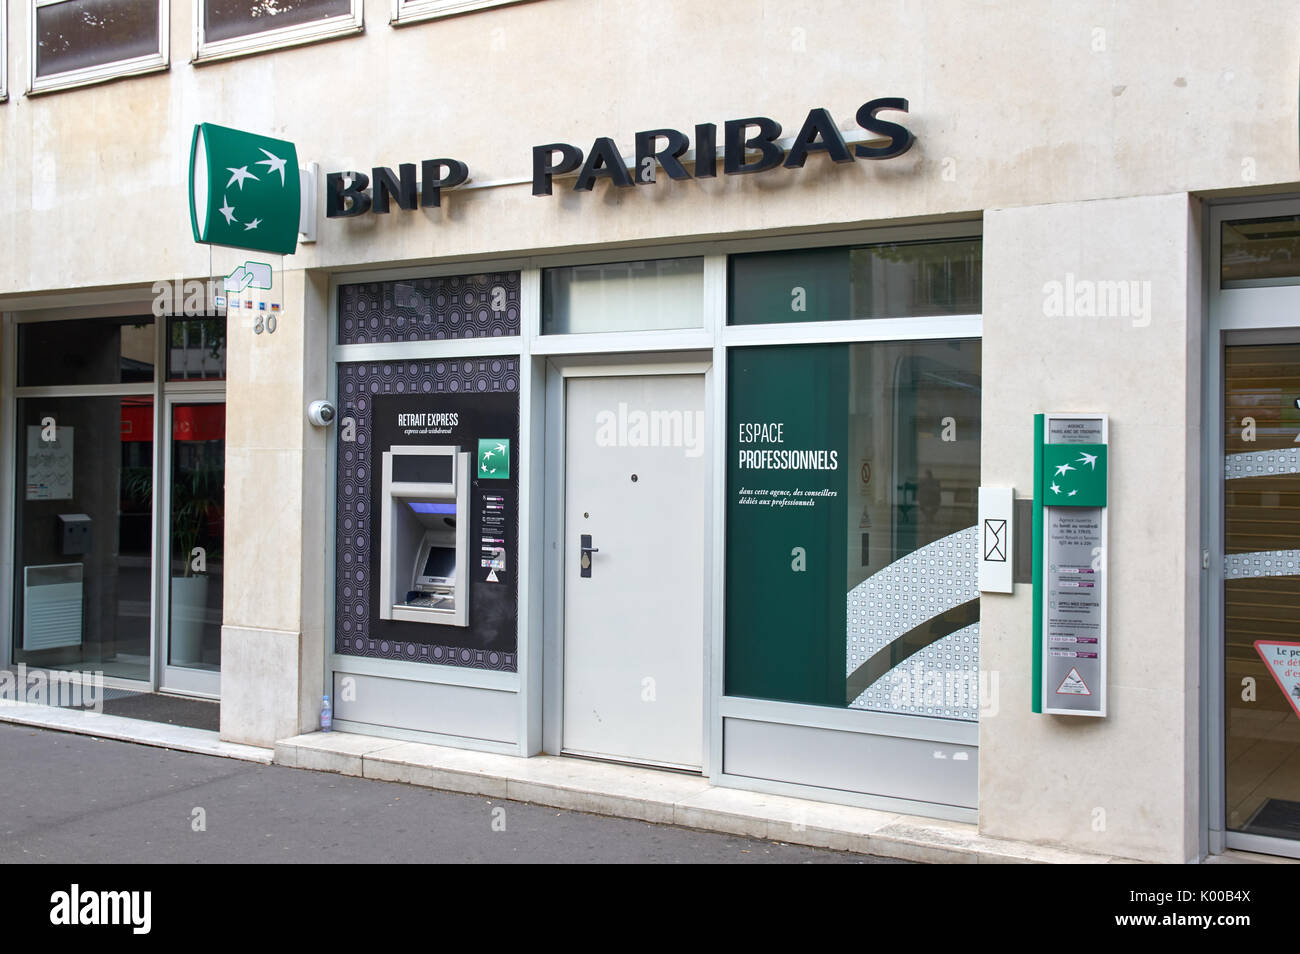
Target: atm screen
x=441 y=563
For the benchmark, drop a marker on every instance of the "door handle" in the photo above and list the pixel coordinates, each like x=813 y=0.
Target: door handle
x=585 y=550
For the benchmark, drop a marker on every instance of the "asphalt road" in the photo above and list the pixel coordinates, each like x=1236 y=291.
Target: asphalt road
x=75 y=799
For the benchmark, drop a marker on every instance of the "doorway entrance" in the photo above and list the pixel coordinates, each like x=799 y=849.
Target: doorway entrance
x=635 y=484
x=1252 y=518
x=1261 y=592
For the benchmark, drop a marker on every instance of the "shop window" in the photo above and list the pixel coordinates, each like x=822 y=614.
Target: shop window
x=83 y=534
x=233 y=27
x=890 y=280
x=196 y=349
x=75 y=42
x=198 y=507
x=410 y=11
x=852 y=484
x=90 y=351
x=623 y=296
x=1260 y=252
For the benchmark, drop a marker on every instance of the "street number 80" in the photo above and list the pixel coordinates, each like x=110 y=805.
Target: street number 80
x=267 y=324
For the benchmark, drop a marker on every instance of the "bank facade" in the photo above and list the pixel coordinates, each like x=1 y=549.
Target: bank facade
x=684 y=427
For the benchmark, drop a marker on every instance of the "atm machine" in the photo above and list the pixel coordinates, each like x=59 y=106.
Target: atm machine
x=423 y=561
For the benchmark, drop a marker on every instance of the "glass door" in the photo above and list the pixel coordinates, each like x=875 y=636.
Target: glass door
x=195 y=508
x=1261 y=596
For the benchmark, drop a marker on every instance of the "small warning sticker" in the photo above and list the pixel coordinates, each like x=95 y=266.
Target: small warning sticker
x=1073 y=685
x=1283 y=661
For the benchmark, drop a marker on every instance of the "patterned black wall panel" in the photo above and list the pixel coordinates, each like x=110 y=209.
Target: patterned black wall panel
x=358 y=472
x=430 y=309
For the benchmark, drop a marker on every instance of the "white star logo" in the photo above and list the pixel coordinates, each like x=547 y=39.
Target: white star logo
x=1062 y=468
x=274 y=163
x=1089 y=459
x=239 y=175
x=227 y=211
x=1072 y=493
x=1055 y=489
x=252 y=225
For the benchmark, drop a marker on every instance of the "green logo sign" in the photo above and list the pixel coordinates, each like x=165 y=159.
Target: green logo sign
x=1074 y=475
x=494 y=459
x=244 y=190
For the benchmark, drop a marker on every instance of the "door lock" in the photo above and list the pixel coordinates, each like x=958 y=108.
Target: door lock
x=585 y=550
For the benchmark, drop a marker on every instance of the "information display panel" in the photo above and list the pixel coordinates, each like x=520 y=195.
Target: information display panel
x=1070 y=578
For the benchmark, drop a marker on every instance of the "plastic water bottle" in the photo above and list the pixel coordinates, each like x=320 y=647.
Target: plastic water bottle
x=326 y=715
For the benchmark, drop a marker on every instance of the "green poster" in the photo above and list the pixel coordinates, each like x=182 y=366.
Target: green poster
x=787 y=480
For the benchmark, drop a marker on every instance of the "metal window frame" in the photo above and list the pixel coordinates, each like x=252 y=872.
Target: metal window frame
x=406 y=12
x=315 y=31
x=1241 y=315
x=87 y=76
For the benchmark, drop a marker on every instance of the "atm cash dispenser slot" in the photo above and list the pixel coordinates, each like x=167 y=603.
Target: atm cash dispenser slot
x=424 y=562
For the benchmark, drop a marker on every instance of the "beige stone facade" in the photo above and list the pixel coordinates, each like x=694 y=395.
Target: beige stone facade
x=1084 y=139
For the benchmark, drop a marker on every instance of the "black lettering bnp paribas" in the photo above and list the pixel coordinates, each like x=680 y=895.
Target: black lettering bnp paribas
x=748 y=145
x=346 y=193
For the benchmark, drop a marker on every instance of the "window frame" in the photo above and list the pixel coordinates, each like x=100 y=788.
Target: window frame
x=406 y=12
x=89 y=75
x=329 y=28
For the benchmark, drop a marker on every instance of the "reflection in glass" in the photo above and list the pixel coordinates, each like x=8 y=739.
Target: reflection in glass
x=83 y=516
x=76 y=34
x=196 y=349
x=1259 y=252
x=1261 y=589
x=624 y=296
x=890 y=280
x=197 y=534
x=226 y=19
x=90 y=351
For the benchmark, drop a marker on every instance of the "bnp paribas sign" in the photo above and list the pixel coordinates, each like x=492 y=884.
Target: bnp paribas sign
x=244 y=190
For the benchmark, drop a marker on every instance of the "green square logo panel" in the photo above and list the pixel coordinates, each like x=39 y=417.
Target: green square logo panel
x=494 y=459
x=1074 y=475
x=244 y=190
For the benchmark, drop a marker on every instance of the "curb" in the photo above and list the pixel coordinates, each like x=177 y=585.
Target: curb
x=665 y=798
x=178 y=737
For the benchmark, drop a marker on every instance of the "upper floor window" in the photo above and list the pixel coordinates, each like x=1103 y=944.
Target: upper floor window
x=75 y=42
x=231 y=27
x=409 y=11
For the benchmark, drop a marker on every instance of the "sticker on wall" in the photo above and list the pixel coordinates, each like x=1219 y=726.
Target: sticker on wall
x=494 y=459
x=1283 y=661
x=49 y=462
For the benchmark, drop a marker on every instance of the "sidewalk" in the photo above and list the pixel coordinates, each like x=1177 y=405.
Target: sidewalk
x=598 y=788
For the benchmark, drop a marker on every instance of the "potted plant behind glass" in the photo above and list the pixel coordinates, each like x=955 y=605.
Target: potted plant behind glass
x=197 y=499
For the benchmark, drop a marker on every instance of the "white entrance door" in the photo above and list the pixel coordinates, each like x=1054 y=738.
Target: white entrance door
x=635 y=484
